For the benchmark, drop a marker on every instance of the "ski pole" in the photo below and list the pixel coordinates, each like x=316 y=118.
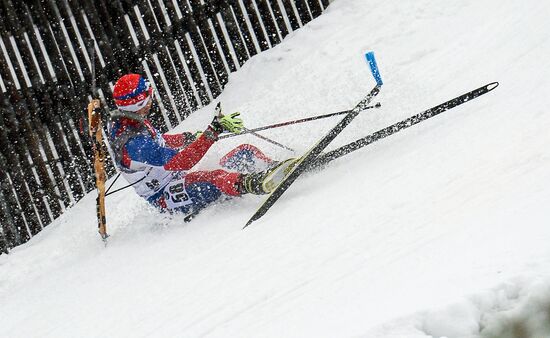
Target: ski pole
x=306 y=119
x=248 y=131
x=219 y=113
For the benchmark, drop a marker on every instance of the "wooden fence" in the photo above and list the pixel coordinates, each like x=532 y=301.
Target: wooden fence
x=48 y=49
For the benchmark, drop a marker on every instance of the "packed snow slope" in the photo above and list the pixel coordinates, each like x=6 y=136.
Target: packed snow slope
x=440 y=230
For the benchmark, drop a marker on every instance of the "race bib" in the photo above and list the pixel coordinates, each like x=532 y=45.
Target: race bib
x=175 y=194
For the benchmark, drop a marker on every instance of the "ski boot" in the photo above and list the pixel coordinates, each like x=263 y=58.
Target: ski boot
x=265 y=182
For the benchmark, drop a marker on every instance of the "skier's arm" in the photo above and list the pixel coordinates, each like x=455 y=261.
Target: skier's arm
x=146 y=150
x=176 y=141
x=186 y=158
x=192 y=154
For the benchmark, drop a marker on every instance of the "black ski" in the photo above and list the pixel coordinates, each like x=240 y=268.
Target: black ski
x=309 y=158
x=394 y=128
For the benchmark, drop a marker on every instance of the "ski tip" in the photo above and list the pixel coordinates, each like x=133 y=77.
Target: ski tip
x=248 y=223
x=104 y=238
x=374 y=68
x=492 y=86
x=254 y=217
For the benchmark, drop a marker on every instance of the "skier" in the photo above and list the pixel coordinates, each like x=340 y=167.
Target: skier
x=160 y=165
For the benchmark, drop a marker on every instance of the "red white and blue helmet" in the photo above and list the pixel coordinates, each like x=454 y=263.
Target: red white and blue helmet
x=132 y=92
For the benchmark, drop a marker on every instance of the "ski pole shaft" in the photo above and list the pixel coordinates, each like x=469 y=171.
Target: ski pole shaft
x=266 y=139
x=306 y=119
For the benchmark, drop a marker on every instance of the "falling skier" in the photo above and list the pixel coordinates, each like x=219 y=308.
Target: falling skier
x=160 y=165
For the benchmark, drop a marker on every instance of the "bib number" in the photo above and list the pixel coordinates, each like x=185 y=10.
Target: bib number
x=175 y=195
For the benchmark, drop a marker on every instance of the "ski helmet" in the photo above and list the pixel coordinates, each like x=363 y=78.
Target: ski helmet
x=132 y=92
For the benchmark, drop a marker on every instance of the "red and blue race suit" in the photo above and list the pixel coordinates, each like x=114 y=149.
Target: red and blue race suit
x=159 y=164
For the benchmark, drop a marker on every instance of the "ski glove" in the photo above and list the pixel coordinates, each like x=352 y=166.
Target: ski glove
x=198 y=134
x=229 y=123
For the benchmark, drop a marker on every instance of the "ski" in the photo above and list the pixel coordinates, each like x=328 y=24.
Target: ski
x=310 y=156
x=404 y=124
x=95 y=131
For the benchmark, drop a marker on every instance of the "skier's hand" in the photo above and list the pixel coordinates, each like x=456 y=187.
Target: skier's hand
x=231 y=123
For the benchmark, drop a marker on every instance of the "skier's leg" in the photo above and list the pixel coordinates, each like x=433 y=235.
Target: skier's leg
x=204 y=187
x=246 y=158
x=225 y=182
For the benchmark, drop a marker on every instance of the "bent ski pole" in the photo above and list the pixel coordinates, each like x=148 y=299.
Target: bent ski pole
x=218 y=112
x=306 y=119
x=245 y=130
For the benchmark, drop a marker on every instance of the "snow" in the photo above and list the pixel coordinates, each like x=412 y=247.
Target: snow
x=438 y=231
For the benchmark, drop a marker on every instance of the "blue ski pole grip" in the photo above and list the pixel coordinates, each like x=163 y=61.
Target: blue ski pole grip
x=374 y=68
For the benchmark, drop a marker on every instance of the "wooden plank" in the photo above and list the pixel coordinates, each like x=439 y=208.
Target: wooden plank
x=293 y=17
x=178 y=30
x=315 y=8
x=107 y=42
x=180 y=85
x=27 y=135
x=106 y=46
x=17 y=173
x=18 y=167
x=268 y=22
x=152 y=50
x=9 y=211
x=279 y=17
x=303 y=12
x=111 y=15
x=233 y=33
x=256 y=25
x=186 y=83
x=103 y=72
x=211 y=9
x=51 y=123
x=84 y=11
x=208 y=67
x=49 y=11
x=68 y=102
x=4 y=246
x=62 y=13
x=325 y=3
x=201 y=19
x=45 y=94
x=243 y=27
x=16 y=135
x=32 y=95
